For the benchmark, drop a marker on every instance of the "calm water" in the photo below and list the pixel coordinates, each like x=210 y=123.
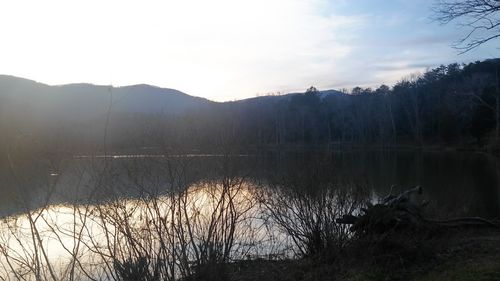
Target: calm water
x=455 y=183
x=96 y=197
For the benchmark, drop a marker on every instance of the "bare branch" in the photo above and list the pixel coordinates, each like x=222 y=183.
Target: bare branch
x=481 y=19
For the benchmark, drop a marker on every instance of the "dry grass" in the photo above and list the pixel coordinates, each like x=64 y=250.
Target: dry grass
x=457 y=256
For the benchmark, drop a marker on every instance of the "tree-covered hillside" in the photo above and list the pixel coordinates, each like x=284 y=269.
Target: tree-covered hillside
x=457 y=104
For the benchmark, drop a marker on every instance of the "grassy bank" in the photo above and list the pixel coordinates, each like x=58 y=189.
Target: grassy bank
x=465 y=255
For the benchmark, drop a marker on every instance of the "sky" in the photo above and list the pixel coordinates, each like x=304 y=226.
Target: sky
x=226 y=49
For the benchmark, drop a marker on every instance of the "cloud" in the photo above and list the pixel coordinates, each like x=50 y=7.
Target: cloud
x=430 y=39
x=221 y=49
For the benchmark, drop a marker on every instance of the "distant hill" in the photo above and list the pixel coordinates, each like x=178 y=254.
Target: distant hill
x=81 y=102
x=31 y=109
x=448 y=105
x=86 y=101
x=87 y=112
x=286 y=97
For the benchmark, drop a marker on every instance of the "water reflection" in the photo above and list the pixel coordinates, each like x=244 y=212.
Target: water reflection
x=454 y=183
x=208 y=222
x=96 y=217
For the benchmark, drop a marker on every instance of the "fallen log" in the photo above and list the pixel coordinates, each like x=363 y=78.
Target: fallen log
x=399 y=212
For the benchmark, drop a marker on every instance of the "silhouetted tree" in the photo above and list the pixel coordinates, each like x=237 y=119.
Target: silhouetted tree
x=481 y=18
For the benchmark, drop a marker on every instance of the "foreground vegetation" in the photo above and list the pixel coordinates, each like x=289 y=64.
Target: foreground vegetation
x=467 y=255
x=393 y=240
x=148 y=220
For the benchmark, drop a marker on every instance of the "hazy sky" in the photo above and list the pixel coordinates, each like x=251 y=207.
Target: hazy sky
x=225 y=49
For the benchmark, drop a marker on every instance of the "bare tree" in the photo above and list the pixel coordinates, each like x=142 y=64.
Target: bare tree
x=481 y=19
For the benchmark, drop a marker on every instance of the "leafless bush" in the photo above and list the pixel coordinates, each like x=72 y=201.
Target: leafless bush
x=180 y=230
x=182 y=233
x=309 y=218
x=172 y=227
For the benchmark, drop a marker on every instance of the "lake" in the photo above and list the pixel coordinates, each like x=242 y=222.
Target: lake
x=87 y=217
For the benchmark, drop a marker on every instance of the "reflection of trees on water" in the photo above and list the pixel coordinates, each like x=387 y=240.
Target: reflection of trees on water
x=455 y=182
x=183 y=232
x=165 y=218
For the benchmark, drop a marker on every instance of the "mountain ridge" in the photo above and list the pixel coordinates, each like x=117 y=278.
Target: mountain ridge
x=143 y=86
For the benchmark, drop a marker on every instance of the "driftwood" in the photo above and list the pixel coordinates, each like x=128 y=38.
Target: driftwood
x=398 y=212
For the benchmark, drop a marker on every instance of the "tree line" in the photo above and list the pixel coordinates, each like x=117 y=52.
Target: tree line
x=450 y=105
x=455 y=104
